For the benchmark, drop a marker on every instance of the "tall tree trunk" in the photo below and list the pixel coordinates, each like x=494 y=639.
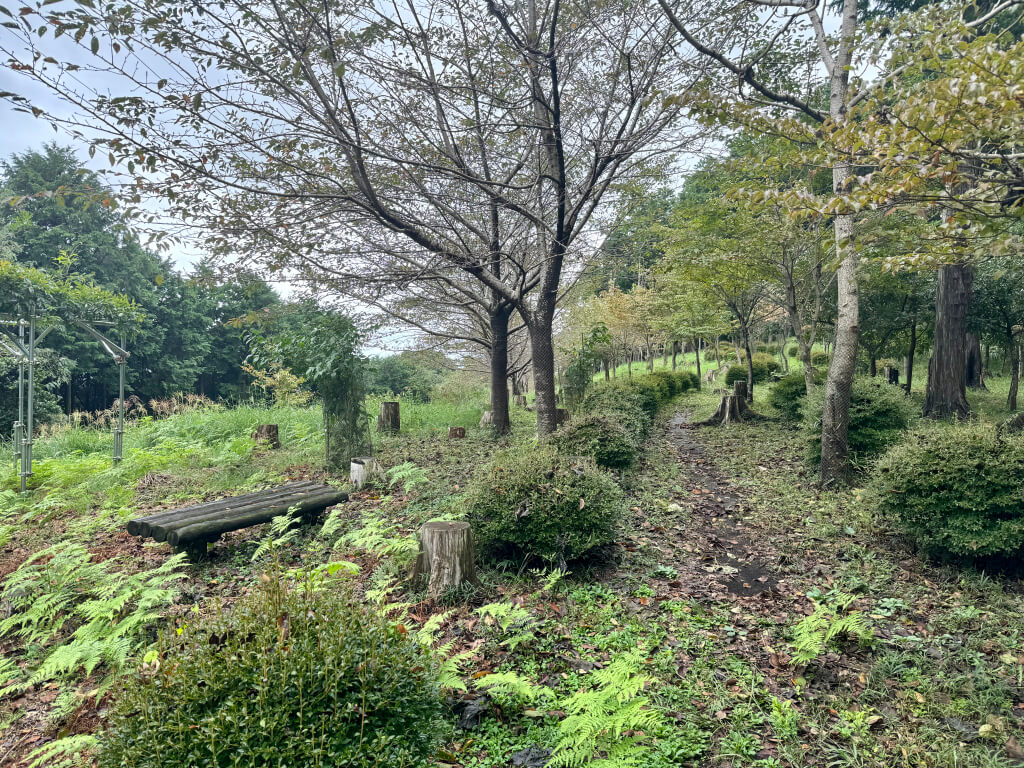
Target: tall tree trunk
x=873 y=366
x=606 y=366
x=629 y=364
x=499 y=371
x=1011 y=398
x=835 y=416
x=910 y=354
x=696 y=347
x=750 y=363
x=543 y=351
x=650 y=357
x=946 y=394
x=675 y=353
x=975 y=373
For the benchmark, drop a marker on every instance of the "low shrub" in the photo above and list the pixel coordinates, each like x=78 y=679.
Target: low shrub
x=611 y=444
x=768 y=349
x=793 y=351
x=687 y=380
x=671 y=382
x=788 y=393
x=655 y=389
x=290 y=676
x=770 y=364
x=739 y=373
x=956 y=489
x=622 y=404
x=819 y=358
x=879 y=413
x=537 y=502
x=724 y=351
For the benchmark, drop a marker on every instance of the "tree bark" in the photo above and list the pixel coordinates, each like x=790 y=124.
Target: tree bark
x=1011 y=398
x=389 y=419
x=696 y=347
x=975 y=371
x=543 y=351
x=456 y=433
x=499 y=371
x=446 y=558
x=910 y=354
x=268 y=434
x=873 y=367
x=946 y=394
x=750 y=364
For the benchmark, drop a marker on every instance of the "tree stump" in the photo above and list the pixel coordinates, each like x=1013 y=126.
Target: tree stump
x=487 y=419
x=268 y=434
x=362 y=470
x=446 y=559
x=389 y=420
x=456 y=433
x=561 y=416
x=733 y=408
x=892 y=375
x=519 y=400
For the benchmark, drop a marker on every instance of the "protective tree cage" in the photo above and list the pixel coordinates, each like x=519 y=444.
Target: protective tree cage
x=20 y=338
x=346 y=423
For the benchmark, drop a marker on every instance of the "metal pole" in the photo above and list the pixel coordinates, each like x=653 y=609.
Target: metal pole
x=19 y=424
x=119 y=431
x=26 y=454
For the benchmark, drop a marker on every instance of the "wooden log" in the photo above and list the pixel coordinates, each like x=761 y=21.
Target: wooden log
x=141 y=526
x=446 y=558
x=487 y=419
x=268 y=434
x=519 y=400
x=456 y=433
x=561 y=416
x=389 y=419
x=362 y=470
x=209 y=530
x=160 y=531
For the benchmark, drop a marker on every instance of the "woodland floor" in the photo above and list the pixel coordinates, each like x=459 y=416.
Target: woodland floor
x=728 y=545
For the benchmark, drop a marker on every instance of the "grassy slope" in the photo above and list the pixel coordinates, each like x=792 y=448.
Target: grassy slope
x=940 y=687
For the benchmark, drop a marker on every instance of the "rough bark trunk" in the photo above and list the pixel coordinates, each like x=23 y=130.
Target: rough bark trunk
x=1011 y=398
x=733 y=408
x=750 y=364
x=946 y=393
x=543 y=370
x=446 y=558
x=696 y=348
x=975 y=372
x=675 y=353
x=389 y=419
x=910 y=354
x=499 y=372
x=873 y=367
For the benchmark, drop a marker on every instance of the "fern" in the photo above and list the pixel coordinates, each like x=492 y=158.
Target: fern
x=282 y=531
x=608 y=725
x=377 y=536
x=407 y=474
x=832 y=620
x=518 y=626
x=68 y=752
x=514 y=687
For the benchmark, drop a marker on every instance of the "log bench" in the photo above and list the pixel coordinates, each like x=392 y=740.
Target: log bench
x=190 y=529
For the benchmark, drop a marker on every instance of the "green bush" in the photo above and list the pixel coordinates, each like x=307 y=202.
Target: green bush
x=687 y=380
x=879 y=413
x=788 y=393
x=819 y=358
x=770 y=364
x=724 y=351
x=611 y=444
x=536 y=502
x=793 y=351
x=671 y=382
x=956 y=489
x=768 y=349
x=739 y=373
x=654 y=388
x=621 y=403
x=291 y=676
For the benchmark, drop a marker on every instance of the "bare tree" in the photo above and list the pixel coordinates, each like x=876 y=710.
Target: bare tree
x=485 y=138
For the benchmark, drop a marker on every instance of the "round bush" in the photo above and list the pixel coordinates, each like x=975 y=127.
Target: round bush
x=671 y=382
x=819 y=358
x=787 y=394
x=653 y=387
x=792 y=351
x=601 y=438
x=739 y=372
x=957 y=490
x=537 y=502
x=879 y=413
x=686 y=380
x=770 y=364
x=724 y=350
x=290 y=676
x=622 y=404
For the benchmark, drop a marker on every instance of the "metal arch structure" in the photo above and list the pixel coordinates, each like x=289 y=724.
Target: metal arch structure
x=19 y=338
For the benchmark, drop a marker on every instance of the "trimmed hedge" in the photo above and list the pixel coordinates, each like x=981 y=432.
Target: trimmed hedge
x=788 y=393
x=622 y=404
x=957 y=490
x=612 y=444
x=289 y=676
x=536 y=502
x=879 y=413
x=819 y=358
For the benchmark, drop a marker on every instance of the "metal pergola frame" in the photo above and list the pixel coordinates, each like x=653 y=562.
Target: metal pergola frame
x=13 y=341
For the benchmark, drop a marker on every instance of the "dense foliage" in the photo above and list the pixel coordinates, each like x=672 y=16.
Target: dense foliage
x=610 y=443
x=292 y=675
x=879 y=412
x=956 y=490
x=536 y=502
x=788 y=393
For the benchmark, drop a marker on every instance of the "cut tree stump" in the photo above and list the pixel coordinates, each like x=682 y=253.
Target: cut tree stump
x=446 y=559
x=362 y=470
x=456 y=433
x=389 y=419
x=733 y=408
x=268 y=434
x=487 y=419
